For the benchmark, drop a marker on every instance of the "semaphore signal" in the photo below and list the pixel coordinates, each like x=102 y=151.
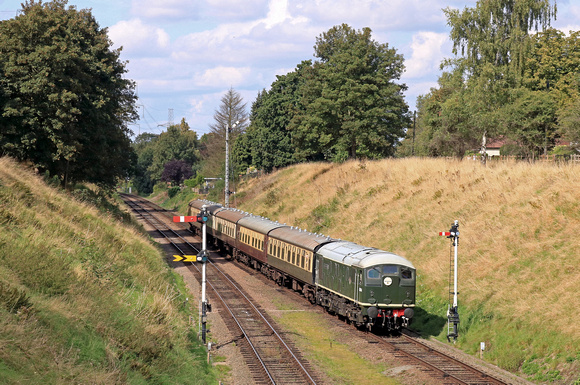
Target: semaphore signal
x=452 y=313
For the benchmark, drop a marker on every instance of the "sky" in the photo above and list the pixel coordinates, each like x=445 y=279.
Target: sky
x=184 y=55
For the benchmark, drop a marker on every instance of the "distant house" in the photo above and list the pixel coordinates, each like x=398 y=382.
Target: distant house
x=493 y=146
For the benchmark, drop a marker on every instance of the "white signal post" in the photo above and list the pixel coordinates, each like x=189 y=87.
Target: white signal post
x=452 y=313
x=203 y=258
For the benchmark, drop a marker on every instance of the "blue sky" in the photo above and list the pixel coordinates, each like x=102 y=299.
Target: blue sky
x=185 y=54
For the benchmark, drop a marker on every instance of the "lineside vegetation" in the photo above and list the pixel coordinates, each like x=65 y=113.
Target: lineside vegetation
x=85 y=299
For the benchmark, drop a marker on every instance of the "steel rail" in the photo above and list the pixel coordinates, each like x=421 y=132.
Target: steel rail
x=247 y=337
x=481 y=376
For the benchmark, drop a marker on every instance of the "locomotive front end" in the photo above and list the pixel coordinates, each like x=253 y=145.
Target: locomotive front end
x=388 y=292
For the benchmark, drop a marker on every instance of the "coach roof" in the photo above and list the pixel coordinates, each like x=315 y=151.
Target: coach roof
x=231 y=215
x=301 y=238
x=259 y=224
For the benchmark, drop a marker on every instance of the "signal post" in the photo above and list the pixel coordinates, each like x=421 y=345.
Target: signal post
x=202 y=257
x=452 y=310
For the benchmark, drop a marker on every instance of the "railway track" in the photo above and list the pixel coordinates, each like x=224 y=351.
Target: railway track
x=450 y=369
x=270 y=358
x=258 y=337
x=443 y=367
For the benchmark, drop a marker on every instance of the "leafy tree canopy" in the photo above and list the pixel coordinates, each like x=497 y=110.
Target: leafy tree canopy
x=267 y=143
x=482 y=94
x=352 y=103
x=179 y=142
x=64 y=104
x=176 y=171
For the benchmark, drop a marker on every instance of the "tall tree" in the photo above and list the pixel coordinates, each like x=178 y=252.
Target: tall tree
x=492 y=42
x=144 y=147
x=497 y=31
x=267 y=143
x=232 y=109
x=353 y=105
x=65 y=103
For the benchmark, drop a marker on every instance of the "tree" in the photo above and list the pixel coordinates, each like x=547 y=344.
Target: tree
x=231 y=110
x=497 y=32
x=531 y=118
x=553 y=67
x=179 y=142
x=267 y=143
x=176 y=171
x=144 y=146
x=353 y=106
x=494 y=42
x=65 y=103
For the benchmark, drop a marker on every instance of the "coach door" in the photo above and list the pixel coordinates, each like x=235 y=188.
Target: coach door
x=358 y=284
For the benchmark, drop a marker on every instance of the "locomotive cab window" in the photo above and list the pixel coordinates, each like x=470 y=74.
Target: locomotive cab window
x=390 y=269
x=373 y=276
x=407 y=277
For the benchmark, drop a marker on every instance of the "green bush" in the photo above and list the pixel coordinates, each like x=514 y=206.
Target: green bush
x=173 y=191
x=194 y=182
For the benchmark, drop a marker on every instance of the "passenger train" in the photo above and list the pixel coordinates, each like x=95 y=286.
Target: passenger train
x=366 y=286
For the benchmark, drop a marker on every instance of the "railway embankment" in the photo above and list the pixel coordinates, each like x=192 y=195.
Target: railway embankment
x=518 y=247
x=85 y=298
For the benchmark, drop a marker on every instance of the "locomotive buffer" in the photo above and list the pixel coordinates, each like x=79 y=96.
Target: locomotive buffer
x=452 y=313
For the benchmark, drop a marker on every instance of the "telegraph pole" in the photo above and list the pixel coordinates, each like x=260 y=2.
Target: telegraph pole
x=227 y=189
x=414 y=122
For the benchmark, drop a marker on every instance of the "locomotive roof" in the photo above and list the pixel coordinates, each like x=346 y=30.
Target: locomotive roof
x=299 y=237
x=352 y=254
x=259 y=224
x=231 y=215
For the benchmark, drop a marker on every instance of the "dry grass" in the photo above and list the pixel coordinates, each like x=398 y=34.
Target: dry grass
x=519 y=226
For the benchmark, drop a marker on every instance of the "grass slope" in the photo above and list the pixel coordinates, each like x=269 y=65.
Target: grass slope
x=518 y=252
x=85 y=299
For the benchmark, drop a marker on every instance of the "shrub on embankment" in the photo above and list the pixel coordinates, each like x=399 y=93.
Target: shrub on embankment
x=518 y=251
x=85 y=299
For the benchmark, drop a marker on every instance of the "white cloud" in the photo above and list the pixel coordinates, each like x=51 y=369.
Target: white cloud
x=427 y=54
x=139 y=39
x=227 y=10
x=222 y=77
x=376 y=14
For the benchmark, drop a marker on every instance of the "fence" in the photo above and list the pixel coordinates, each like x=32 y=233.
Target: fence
x=555 y=159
